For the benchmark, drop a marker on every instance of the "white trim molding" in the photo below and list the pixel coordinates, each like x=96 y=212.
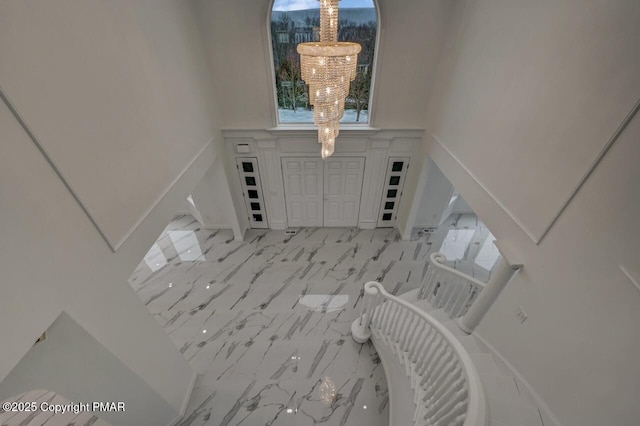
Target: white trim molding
x=269 y=146
x=486 y=190
x=185 y=402
x=580 y=183
x=594 y=164
x=203 y=159
x=627 y=274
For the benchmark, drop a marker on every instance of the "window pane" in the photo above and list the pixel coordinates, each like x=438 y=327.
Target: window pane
x=395 y=180
x=397 y=166
x=253 y=193
x=247 y=167
x=257 y=217
x=392 y=193
x=299 y=22
x=255 y=206
x=389 y=205
x=250 y=180
x=386 y=216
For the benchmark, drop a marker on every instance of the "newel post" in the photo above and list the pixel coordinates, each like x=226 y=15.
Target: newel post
x=360 y=330
x=500 y=276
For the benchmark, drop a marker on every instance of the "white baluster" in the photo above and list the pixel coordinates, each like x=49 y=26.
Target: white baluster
x=448 y=392
x=445 y=375
x=434 y=357
x=459 y=421
x=435 y=277
x=406 y=330
x=385 y=315
x=400 y=323
x=412 y=329
x=449 y=412
x=440 y=369
x=420 y=340
x=440 y=398
x=450 y=291
x=462 y=299
x=363 y=309
x=375 y=312
x=392 y=316
x=428 y=353
x=426 y=282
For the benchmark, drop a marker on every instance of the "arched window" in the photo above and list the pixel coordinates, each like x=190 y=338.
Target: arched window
x=298 y=21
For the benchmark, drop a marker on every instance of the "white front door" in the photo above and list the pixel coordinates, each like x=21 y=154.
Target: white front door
x=342 y=189
x=303 y=190
x=322 y=193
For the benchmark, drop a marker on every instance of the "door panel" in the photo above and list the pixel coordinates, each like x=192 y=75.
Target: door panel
x=343 y=187
x=252 y=191
x=303 y=191
x=392 y=191
x=323 y=193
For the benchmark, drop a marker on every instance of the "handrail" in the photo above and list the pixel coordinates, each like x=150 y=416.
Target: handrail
x=438 y=259
x=449 y=289
x=431 y=358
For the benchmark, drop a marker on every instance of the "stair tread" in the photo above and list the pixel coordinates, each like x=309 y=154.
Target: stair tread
x=440 y=315
x=469 y=343
x=424 y=305
x=514 y=413
x=410 y=296
x=500 y=387
x=485 y=363
x=453 y=327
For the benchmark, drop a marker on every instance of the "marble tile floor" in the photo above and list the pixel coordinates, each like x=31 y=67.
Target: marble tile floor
x=266 y=322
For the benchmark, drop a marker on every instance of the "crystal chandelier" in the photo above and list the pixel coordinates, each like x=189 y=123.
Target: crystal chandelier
x=327 y=67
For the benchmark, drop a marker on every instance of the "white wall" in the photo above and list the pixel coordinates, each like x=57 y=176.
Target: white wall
x=68 y=352
x=235 y=32
x=117 y=95
x=213 y=199
x=435 y=198
x=412 y=190
x=461 y=206
x=529 y=93
x=554 y=79
x=117 y=92
x=53 y=259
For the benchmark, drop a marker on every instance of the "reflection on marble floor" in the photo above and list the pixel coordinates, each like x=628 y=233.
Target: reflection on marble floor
x=266 y=322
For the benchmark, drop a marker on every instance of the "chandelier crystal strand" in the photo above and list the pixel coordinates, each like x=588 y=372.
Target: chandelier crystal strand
x=328 y=67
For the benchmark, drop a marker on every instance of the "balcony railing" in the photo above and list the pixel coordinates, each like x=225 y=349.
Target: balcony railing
x=448 y=289
x=446 y=386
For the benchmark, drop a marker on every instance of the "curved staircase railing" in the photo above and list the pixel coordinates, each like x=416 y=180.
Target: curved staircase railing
x=446 y=386
x=448 y=289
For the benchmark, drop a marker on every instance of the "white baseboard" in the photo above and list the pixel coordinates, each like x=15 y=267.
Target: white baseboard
x=367 y=225
x=530 y=392
x=185 y=402
x=278 y=226
x=424 y=225
x=216 y=226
